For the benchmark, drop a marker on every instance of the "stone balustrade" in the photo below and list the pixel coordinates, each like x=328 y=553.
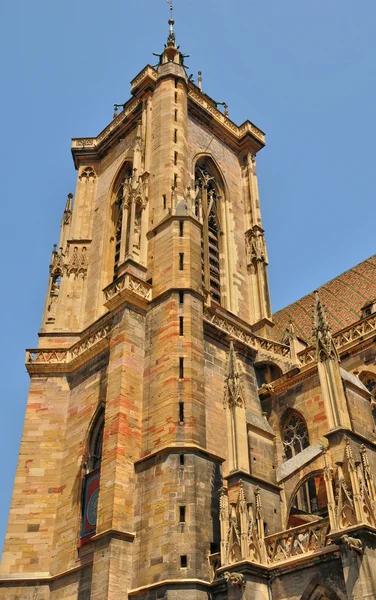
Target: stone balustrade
x=131 y=283
x=294 y=542
x=342 y=339
x=49 y=356
x=244 y=335
x=62 y=360
x=307 y=356
x=304 y=540
x=274 y=347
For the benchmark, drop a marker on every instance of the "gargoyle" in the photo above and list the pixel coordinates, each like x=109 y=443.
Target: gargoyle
x=268 y=387
x=352 y=544
x=236 y=579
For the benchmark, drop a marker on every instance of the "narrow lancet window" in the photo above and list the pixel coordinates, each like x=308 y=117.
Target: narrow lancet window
x=92 y=477
x=119 y=206
x=137 y=231
x=207 y=209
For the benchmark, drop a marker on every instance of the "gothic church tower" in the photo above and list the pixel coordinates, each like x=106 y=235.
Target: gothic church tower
x=143 y=400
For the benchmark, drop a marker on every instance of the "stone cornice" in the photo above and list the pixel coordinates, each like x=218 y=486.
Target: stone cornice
x=42 y=577
x=137 y=293
x=354 y=435
x=144 y=81
x=239 y=137
x=147 y=79
x=168 y=219
x=241 y=566
x=46 y=577
x=300 y=561
x=124 y=535
x=95 y=339
x=228 y=324
x=287 y=381
x=169 y=583
x=131 y=290
x=239 y=474
x=95 y=147
x=284 y=565
x=244 y=137
x=60 y=361
x=127 y=287
x=176 y=448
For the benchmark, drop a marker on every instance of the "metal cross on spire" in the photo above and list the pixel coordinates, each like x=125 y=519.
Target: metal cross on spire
x=171 y=19
x=170 y=2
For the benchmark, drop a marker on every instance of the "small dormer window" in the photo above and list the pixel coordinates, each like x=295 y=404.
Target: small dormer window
x=368 y=309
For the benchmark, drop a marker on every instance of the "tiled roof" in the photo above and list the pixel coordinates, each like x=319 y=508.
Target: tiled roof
x=343 y=298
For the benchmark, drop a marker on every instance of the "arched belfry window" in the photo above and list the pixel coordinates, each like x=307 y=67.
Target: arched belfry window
x=121 y=203
x=208 y=194
x=294 y=435
x=309 y=499
x=92 y=476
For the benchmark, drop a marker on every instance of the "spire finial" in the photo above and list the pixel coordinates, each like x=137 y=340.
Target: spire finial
x=171 y=52
x=171 y=21
x=320 y=322
x=321 y=330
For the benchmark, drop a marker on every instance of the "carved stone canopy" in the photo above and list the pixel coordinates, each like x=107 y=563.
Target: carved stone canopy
x=233 y=385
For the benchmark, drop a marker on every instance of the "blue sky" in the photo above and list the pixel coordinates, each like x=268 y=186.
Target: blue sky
x=302 y=71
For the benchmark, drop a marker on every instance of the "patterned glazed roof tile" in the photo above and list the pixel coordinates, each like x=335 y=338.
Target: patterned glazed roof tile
x=343 y=299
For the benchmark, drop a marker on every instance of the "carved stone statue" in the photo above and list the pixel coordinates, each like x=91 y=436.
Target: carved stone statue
x=54 y=293
x=137 y=231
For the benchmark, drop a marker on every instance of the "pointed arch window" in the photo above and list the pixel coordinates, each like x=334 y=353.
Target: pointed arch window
x=96 y=443
x=207 y=208
x=119 y=205
x=91 y=482
x=294 y=435
x=310 y=499
x=369 y=380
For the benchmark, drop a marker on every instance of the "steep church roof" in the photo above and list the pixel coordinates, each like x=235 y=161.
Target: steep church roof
x=343 y=298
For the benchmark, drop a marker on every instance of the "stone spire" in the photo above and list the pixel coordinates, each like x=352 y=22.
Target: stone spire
x=328 y=360
x=233 y=390
x=324 y=341
x=67 y=216
x=66 y=222
x=236 y=416
x=291 y=340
